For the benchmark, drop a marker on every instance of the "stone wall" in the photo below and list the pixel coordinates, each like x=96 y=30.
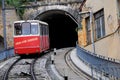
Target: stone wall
x=11 y=16
x=70 y=6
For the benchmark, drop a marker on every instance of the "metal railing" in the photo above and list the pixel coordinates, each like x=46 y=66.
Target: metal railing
x=105 y=66
x=4 y=54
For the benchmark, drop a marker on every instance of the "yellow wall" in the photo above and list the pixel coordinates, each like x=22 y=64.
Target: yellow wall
x=110 y=12
x=108 y=46
x=82 y=34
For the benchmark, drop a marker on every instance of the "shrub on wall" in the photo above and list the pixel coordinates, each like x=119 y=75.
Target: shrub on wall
x=18 y=5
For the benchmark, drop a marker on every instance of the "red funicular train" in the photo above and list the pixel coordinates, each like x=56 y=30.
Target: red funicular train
x=30 y=37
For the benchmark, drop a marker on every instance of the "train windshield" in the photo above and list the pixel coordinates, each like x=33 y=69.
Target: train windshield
x=26 y=28
x=34 y=28
x=18 y=29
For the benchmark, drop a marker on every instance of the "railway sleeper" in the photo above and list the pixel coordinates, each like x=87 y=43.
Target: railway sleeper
x=26 y=62
x=23 y=74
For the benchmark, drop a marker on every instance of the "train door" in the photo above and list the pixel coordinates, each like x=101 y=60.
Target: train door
x=47 y=38
x=41 y=37
x=48 y=42
x=44 y=36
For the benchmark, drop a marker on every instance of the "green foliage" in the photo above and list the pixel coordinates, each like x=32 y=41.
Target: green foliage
x=17 y=4
x=79 y=28
x=0 y=3
x=20 y=12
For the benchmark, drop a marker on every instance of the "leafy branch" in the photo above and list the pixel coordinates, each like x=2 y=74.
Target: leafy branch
x=17 y=4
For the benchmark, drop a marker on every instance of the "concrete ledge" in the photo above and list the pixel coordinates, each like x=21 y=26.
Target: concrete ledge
x=86 y=68
x=6 y=53
x=55 y=73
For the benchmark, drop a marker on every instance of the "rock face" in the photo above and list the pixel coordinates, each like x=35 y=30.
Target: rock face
x=11 y=16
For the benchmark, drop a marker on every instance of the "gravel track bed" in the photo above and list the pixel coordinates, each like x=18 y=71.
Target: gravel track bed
x=40 y=68
x=6 y=64
x=21 y=71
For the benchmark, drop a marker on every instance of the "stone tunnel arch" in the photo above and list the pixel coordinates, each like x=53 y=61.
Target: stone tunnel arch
x=1 y=42
x=61 y=26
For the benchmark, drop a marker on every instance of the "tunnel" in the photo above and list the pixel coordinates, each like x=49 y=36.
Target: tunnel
x=1 y=43
x=62 y=27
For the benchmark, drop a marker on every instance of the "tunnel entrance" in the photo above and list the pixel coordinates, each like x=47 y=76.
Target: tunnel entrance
x=61 y=28
x=1 y=43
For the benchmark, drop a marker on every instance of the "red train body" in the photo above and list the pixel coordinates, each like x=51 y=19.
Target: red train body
x=30 y=37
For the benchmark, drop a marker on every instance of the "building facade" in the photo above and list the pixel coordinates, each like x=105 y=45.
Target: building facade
x=105 y=23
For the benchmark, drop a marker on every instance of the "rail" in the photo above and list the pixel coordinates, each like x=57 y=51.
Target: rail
x=33 y=77
x=75 y=68
x=5 y=77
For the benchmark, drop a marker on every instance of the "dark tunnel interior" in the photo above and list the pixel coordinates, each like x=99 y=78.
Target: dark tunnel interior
x=1 y=43
x=61 y=29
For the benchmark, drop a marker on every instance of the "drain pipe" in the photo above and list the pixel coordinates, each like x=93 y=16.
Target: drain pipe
x=4 y=23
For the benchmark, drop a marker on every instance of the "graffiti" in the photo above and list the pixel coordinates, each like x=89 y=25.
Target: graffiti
x=26 y=41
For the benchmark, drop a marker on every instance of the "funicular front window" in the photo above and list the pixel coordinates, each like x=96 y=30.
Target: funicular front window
x=25 y=28
x=17 y=29
x=34 y=28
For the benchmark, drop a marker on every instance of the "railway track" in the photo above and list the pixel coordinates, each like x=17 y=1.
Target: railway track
x=74 y=68
x=19 y=74
x=35 y=68
x=28 y=69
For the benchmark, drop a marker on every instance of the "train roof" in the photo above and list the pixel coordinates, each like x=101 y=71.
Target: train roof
x=31 y=21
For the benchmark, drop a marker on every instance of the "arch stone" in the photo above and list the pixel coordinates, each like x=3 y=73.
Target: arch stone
x=33 y=13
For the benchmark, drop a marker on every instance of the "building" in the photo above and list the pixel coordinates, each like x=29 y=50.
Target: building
x=106 y=24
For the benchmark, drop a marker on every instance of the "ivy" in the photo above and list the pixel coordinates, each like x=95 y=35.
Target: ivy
x=17 y=4
x=0 y=3
x=79 y=27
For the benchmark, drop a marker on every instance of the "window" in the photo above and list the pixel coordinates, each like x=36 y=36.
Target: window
x=17 y=29
x=46 y=30
x=42 y=30
x=118 y=5
x=99 y=30
x=34 y=28
x=99 y=24
x=88 y=30
x=25 y=28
